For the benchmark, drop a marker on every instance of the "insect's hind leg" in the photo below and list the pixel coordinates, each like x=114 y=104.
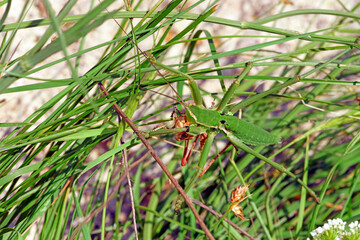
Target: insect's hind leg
x=213 y=160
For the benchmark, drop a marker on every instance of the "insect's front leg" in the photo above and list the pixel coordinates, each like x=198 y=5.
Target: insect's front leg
x=186 y=157
x=203 y=157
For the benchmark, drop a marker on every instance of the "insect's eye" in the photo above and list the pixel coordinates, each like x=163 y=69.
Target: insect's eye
x=187 y=128
x=222 y=121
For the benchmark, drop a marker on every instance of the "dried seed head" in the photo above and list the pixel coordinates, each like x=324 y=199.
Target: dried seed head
x=237 y=196
x=238 y=211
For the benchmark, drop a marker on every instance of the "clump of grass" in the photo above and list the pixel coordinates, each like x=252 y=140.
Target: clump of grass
x=50 y=183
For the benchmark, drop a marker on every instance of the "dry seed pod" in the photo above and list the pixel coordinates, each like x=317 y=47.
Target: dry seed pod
x=238 y=211
x=237 y=196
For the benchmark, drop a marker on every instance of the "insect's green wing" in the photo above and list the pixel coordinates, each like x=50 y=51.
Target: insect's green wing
x=248 y=132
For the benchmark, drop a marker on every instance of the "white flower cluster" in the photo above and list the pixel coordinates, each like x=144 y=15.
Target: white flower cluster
x=334 y=229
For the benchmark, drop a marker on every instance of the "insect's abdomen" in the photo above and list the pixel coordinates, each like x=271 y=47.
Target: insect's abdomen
x=248 y=132
x=205 y=117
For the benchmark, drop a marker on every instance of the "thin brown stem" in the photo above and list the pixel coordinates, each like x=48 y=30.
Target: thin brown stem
x=242 y=231
x=125 y=157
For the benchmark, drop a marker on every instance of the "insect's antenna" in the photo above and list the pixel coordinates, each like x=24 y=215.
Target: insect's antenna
x=152 y=63
x=159 y=93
